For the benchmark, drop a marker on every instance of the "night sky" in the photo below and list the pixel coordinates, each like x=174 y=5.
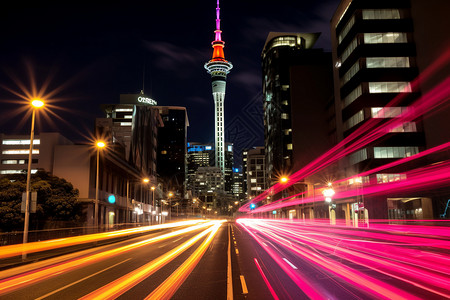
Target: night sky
x=91 y=53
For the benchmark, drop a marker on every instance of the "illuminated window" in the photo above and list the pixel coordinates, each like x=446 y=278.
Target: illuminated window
x=387 y=62
x=380 y=14
x=405 y=127
x=389 y=87
x=385 y=178
x=355 y=119
x=346 y=29
x=21 y=142
x=253 y=180
x=128 y=117
x=388 y=112
x=289 y=146
x=33 y=171
x=358 y=156
x=350 y=48
x=394 y=152
x=9 y=162
x=350 y=73
x=125 y=123
x=284 y=116
x=124 y=109
x=20 y=151
x=385 y=38
x=352 y=96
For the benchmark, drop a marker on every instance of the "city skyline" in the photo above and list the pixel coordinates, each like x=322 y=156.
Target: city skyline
x=100 y=53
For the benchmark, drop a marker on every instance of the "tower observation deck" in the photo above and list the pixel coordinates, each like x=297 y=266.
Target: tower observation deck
x=219 y=68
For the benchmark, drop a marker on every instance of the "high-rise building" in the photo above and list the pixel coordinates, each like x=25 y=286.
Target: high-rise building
x=219 y=67
x=256 y=174
x=198 y=155
x=132 y=129
x=202 y=155
x=298 y=102
x=379 y=49
x=228 y=172
x=172 y=151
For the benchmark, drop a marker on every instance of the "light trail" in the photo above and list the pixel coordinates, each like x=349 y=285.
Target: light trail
x=119 y=286
x=168 y=288
x=19 y=281
x=338 y=250
x=15 y=250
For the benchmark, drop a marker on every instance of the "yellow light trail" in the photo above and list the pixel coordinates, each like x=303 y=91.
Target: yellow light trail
x=168 y=288
x=10 y=284
x=119 y=286
x=14 y=250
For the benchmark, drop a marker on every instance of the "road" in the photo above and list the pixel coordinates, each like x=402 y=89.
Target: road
x=247 y=259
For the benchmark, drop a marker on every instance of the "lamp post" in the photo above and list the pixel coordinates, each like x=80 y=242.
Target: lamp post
x=328 y=193
x=36 y=104
x=170 y=205
x=193 y=201
x=153 y=203
x=100 y=145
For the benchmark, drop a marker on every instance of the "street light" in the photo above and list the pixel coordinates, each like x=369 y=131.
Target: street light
x=328 y=193
x=36 y=104
x=284 y=179
x=153 y=203
x=100 y=145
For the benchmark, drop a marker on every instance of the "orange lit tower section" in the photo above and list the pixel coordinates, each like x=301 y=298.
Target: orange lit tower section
x=219 y=67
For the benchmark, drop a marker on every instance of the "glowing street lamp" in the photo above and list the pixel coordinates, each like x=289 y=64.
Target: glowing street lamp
x=284 y=179
x=99 y=145
x=36 y=103
x=328 y=193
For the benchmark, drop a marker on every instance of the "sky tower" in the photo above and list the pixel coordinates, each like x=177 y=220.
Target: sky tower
x=218 y=67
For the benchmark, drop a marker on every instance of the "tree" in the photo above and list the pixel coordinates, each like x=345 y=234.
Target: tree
x=10 y=199
x=56 y=201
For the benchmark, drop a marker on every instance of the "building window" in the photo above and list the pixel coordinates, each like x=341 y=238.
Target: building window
x=9 y=162
x=284 y=116
x=125 y=123
x=389 y=87
x=289 y=146
x=355 y=119
x=352 y=96
x=394 y=152
x=405 y=127
x=387 y=62
x=350 y=73
x=385 y=38
x=33 y=171
x=358 y=156
x=388 y=112
x=20 y=151
x=21 y=142
x=350 y=48
x=346 y=29
x=380 y=14
x=385 y=178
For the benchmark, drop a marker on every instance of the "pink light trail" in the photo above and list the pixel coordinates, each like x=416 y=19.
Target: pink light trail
x=382 y=263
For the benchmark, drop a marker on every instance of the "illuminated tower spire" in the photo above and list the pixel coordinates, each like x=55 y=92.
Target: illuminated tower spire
x=218 y=67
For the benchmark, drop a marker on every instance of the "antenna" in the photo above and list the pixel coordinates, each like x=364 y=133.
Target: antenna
x=143 y=77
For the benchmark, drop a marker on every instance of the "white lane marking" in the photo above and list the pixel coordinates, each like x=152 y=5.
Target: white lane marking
x=292 y=266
